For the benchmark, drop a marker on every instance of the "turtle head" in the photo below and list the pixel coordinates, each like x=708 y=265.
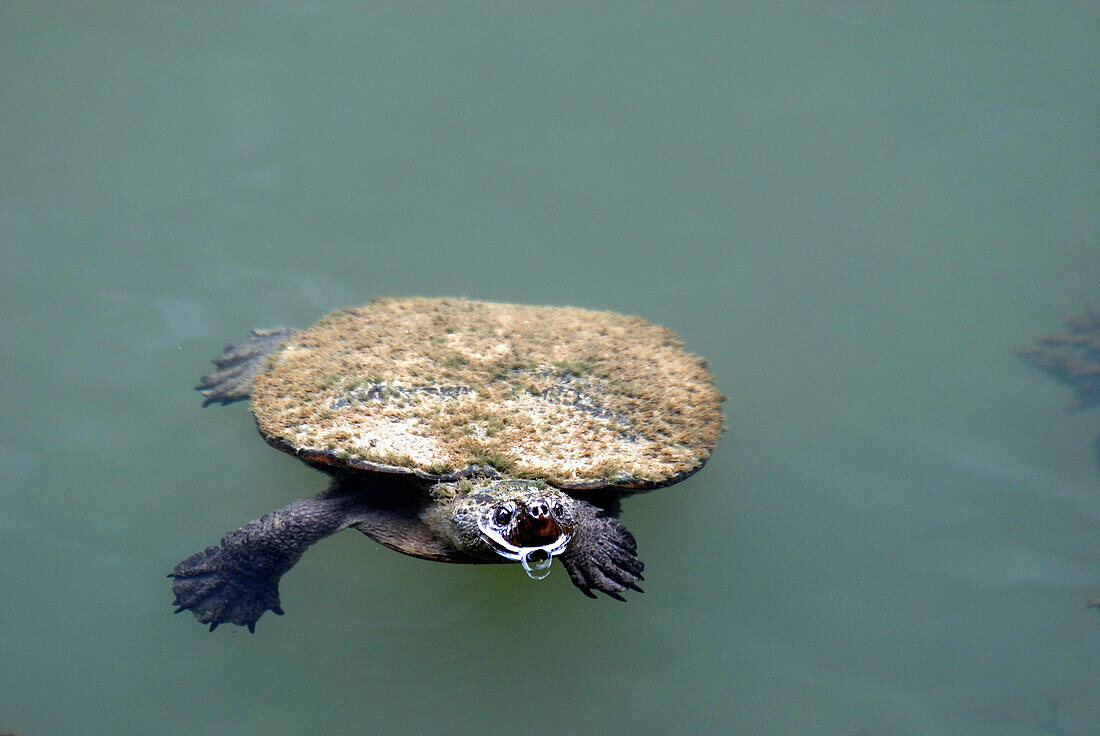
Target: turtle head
x=518 y=520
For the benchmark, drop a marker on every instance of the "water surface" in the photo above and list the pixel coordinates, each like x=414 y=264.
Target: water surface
x=856 y=212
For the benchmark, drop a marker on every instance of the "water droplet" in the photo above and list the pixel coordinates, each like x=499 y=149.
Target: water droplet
x=536 y=563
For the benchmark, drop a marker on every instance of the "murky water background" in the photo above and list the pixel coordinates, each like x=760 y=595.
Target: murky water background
x=857 y=211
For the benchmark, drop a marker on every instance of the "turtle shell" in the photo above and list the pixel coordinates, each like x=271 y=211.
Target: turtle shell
x=444 y=387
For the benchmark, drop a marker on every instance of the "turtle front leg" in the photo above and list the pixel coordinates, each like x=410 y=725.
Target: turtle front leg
x=602 y=555
x=237 y=580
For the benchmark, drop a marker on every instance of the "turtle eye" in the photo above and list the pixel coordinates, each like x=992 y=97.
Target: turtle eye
x=556 y=509
x=503 y=514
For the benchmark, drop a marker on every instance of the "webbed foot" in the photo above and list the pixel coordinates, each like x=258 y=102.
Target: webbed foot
x=238 y=365
x=217 y=592
x=603 y=556
x=236 y=581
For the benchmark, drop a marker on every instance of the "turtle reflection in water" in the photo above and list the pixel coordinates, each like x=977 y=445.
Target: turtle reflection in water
x=459 y=431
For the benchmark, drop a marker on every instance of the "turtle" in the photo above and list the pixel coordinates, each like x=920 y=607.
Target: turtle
x=459 y=431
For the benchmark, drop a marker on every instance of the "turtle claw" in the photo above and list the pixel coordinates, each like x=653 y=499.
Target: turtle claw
x=217 y=592
x=603 y=557
x=237 y=366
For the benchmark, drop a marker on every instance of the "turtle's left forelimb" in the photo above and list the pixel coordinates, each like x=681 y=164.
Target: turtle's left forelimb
x=602 y=555
x=237 y=580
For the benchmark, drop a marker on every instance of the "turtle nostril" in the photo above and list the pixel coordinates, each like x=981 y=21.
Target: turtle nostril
x=537 y=509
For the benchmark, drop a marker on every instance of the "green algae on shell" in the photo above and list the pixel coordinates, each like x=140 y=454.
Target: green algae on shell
x=577 y=398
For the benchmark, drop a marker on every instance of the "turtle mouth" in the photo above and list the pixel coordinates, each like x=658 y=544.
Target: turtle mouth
x=529 y=533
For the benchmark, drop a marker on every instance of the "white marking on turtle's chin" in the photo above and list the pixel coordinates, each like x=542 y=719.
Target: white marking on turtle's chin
x=535 y=560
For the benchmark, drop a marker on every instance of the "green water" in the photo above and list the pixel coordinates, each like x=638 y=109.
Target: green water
x=856 y=211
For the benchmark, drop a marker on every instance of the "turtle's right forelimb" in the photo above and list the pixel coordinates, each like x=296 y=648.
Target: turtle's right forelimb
x=238 y=365
x=209 y=585
x=237 y=580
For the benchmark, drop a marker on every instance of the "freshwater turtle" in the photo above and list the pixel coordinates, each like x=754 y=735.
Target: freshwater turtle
x=459 y=431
